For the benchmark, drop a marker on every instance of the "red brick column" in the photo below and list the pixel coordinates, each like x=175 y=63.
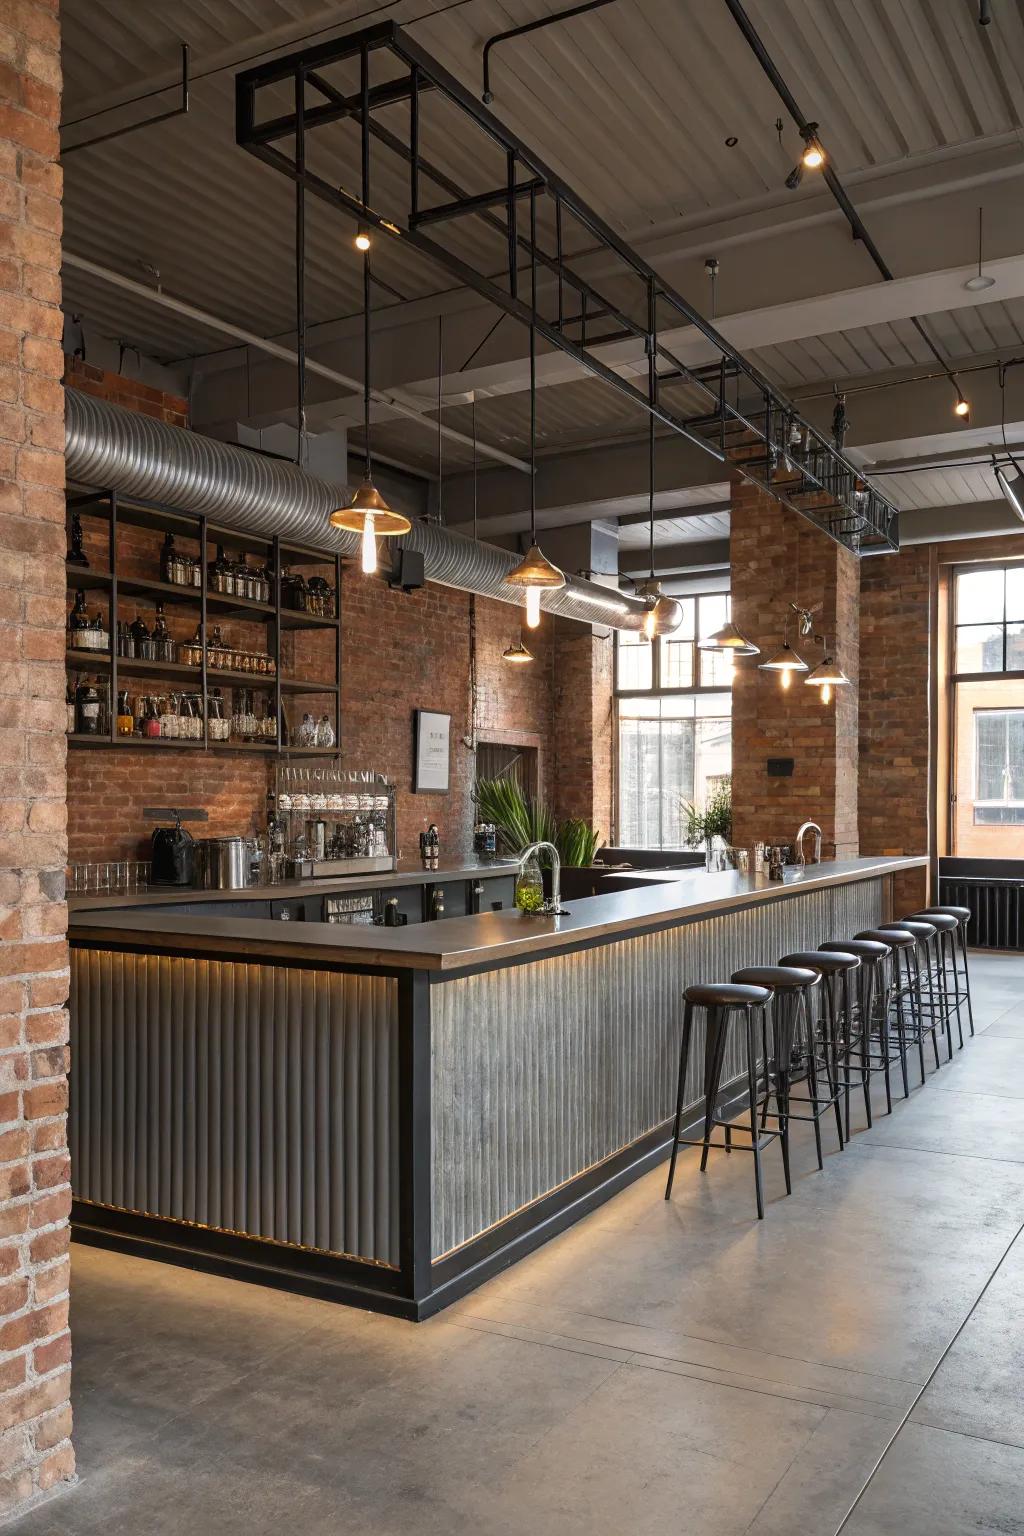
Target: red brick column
x=769 y=546
x=582 y=745
x=35 y=1196
x=894 y=711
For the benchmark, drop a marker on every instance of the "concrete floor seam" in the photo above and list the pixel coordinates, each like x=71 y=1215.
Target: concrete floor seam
x=934 y=1372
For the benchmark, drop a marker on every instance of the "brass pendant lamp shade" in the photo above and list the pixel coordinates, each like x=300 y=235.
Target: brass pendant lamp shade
x=535 y=573
x=368 y=513
x=729 y=638
x=664 y=615
x=827 y=674
x=368 y=500
x=784 y=660
x=517 y=653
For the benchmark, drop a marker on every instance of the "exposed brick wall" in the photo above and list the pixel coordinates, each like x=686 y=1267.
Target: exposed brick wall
x=408 y=651
x=583 y=725
x=769 y=547
x=894 y=728
x=35 y=1349
x=127 y=392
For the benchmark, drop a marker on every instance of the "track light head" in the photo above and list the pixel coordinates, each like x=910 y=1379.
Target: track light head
x=795 y=176
x=1011 y=483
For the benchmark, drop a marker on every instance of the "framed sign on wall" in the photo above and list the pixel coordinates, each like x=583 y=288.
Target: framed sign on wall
x=433 y=741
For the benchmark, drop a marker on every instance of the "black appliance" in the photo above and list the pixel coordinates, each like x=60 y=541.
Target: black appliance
x=173 y=857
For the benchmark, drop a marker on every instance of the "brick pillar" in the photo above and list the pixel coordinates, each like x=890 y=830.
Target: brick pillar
x=769 y=546
x=581 y=758
x=895 y=729
x=35 y=1196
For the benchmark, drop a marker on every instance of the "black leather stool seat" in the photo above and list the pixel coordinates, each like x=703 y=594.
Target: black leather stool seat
x=780 y=978
x=725 y=994
x=865 y=949
x=962 y=914
x=896 y=938
x=944 y=921
x=919 y=929
x=826 y=961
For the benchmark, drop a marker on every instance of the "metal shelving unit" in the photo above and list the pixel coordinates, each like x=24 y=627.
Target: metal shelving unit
x=124 y=512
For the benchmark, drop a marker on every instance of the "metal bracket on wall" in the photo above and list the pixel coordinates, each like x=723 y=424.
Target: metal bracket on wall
x=762 y=437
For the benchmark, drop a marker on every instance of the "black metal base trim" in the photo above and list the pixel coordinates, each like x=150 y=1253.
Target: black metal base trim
x=486 y=1256
x=326 y=1276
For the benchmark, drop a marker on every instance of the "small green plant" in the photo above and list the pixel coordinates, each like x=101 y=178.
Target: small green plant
x=715 y=820
x=520 y=820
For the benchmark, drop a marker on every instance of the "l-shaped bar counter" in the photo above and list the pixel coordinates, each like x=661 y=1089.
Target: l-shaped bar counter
x=388 y=1116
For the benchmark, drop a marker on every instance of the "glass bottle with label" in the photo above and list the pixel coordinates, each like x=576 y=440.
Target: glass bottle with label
x=163 y=645
x=78 y=623
x=72 y=718
x=220 y=573
x=87 y=708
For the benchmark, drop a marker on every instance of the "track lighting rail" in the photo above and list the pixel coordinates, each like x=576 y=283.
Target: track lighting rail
x=798 y=466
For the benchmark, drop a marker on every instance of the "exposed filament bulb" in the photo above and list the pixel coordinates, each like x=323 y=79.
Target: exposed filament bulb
x=368 y=549
x=532 y=607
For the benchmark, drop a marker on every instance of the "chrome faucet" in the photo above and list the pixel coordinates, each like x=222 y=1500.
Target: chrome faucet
x=553 y=907
x=808 y=826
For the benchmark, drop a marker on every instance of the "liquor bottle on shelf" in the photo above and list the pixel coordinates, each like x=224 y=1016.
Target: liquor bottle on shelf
x=88 y=708
x=78 y=624
x=220 y=575
x=171 y=564
x=100 y=635
x=72 y=717
x=163 y=645
x=76 y=554
x=140 y=636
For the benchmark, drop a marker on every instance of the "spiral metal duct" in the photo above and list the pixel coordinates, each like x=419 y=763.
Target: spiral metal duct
x=125 y=451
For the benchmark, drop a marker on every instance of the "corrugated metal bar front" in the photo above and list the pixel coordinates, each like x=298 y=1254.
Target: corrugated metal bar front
x=541 y=1070
x=250 y=1098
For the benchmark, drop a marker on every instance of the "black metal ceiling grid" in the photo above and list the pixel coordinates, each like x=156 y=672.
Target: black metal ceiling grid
x=529 y=209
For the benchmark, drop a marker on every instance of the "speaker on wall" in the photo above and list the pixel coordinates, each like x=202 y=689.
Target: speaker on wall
x=406 y=569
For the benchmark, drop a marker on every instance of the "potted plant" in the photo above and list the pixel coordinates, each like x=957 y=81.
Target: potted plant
x=712 y=824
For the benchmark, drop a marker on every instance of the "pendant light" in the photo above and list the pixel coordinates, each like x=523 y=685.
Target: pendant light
x=664 y=614
x=534 y=572
x=785 y=662
x=826 y=676
x=729 y=638
x=368 y=513
x=517 y=653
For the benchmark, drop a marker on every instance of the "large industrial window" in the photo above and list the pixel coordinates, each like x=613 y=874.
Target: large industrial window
x=675 y=725
x=987 y=673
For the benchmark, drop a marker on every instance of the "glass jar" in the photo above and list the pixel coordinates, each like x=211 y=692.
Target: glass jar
x=530 y=886
x=125 y=717
x=163 y=645
x=88 y=708
x=150 y=718
x=218 y=727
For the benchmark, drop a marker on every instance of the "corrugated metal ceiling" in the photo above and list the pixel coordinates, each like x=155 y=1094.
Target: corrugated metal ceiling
x=632 y=104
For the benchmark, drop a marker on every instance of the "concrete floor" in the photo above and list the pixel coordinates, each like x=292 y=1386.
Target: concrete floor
x=659 y=1367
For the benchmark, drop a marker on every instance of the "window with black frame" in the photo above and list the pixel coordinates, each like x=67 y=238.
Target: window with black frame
x=987 y=679
x=675 y=724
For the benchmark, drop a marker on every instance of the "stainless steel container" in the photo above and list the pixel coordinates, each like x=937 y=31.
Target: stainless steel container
x=224 y=863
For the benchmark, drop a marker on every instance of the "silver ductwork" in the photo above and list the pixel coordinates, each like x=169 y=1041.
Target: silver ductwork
x=137 y=455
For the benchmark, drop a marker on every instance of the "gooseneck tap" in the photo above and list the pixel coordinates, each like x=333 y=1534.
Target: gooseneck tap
x=553 y=907
x=808 y=826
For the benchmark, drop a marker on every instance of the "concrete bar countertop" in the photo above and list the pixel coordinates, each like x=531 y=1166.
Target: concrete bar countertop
x=457 y=943
x=409 y=872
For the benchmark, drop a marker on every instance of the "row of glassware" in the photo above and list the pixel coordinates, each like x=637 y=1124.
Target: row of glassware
x=120 y=878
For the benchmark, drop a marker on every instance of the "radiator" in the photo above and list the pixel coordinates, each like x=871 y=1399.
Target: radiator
x=997 y=909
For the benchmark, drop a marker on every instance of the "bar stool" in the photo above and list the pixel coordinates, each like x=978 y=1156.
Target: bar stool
x=871 y=986
x=963 y=917
x=720 y=1001
x=924 y=1017
x=835 y=968
x=945 y=968
x=901 y=987
x=793 y=1047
